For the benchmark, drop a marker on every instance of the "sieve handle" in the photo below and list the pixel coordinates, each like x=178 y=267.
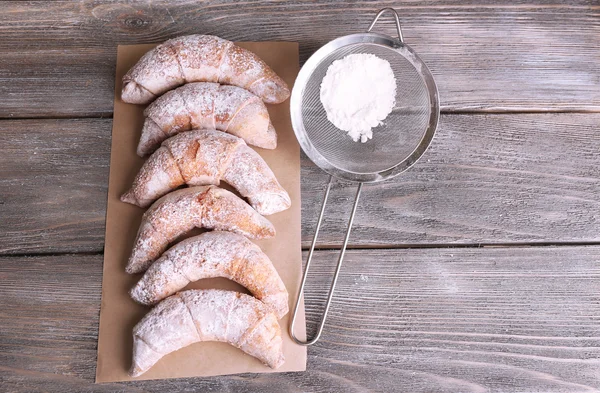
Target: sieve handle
x=337 y=269
x=396 y=17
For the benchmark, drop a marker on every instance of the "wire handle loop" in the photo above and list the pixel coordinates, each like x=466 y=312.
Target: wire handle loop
x=337 y=269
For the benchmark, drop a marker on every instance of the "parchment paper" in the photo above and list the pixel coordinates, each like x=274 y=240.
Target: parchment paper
x=119 y=314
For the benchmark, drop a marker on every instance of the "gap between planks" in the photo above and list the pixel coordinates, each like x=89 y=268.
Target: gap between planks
x=359 y=247
x=482 y=111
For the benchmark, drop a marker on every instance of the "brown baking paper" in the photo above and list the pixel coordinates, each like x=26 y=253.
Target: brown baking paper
x=119 y=314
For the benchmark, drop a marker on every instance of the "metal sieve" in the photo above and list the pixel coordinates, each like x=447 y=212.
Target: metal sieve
x=396 y=144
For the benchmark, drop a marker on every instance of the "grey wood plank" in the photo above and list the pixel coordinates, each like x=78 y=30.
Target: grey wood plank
x=53 y=185
x=423 y=320
x=485 y=179
x=525 y=178
x=57 y=58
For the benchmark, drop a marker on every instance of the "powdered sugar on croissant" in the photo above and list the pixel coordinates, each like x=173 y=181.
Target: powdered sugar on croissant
x=182 y=210
x=213 y=254
x=202 y=157
x=207 y=315
x=205 y=105
x=200 y=58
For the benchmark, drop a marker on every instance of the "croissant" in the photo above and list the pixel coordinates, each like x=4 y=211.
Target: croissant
x=207 y=106
x=200 y=58
x=180 y=211
x=202 y=157
x=207 y=315
x=213 y=254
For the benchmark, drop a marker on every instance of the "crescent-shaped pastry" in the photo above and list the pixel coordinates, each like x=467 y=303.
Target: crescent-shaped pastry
x=207 y=315
x=205 y=105
x=195 y=207
x=213 y=254
x=203 y=157
x=201 y=58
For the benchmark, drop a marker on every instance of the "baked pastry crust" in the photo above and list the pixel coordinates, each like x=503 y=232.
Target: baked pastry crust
x=201 y=58
x=195 y=207
x=213 y=254
x=205 y=105
x=207 y=315
x=203 y=157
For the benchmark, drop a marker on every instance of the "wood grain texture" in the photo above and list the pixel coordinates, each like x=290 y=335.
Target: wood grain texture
x=53 y=185
x=486 y=179
x=416 y=320
x=57 y=58
x=427 y=320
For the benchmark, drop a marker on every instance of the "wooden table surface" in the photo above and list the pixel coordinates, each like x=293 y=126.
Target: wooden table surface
x=477 y=270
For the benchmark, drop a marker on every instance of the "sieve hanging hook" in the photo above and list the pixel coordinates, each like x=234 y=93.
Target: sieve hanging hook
x=396 y=17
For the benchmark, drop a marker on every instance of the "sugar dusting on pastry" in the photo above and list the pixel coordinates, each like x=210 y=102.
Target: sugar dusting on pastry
x=202 y=157
x=207 y=315
x=179 y=211
x=201 y=58
x=213 y=254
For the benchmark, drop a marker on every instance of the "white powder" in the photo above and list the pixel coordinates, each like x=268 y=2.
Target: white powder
x=358 y=93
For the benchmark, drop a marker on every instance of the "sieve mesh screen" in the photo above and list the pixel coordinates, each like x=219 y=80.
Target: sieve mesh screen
x=394 y=140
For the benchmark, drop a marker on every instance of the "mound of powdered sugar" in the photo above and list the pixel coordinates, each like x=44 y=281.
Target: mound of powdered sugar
x=358 y=92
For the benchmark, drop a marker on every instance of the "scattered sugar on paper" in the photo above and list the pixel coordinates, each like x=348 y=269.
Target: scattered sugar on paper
x=358 y=92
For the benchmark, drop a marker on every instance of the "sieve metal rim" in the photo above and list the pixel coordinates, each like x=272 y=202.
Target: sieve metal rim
x=305 y=74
